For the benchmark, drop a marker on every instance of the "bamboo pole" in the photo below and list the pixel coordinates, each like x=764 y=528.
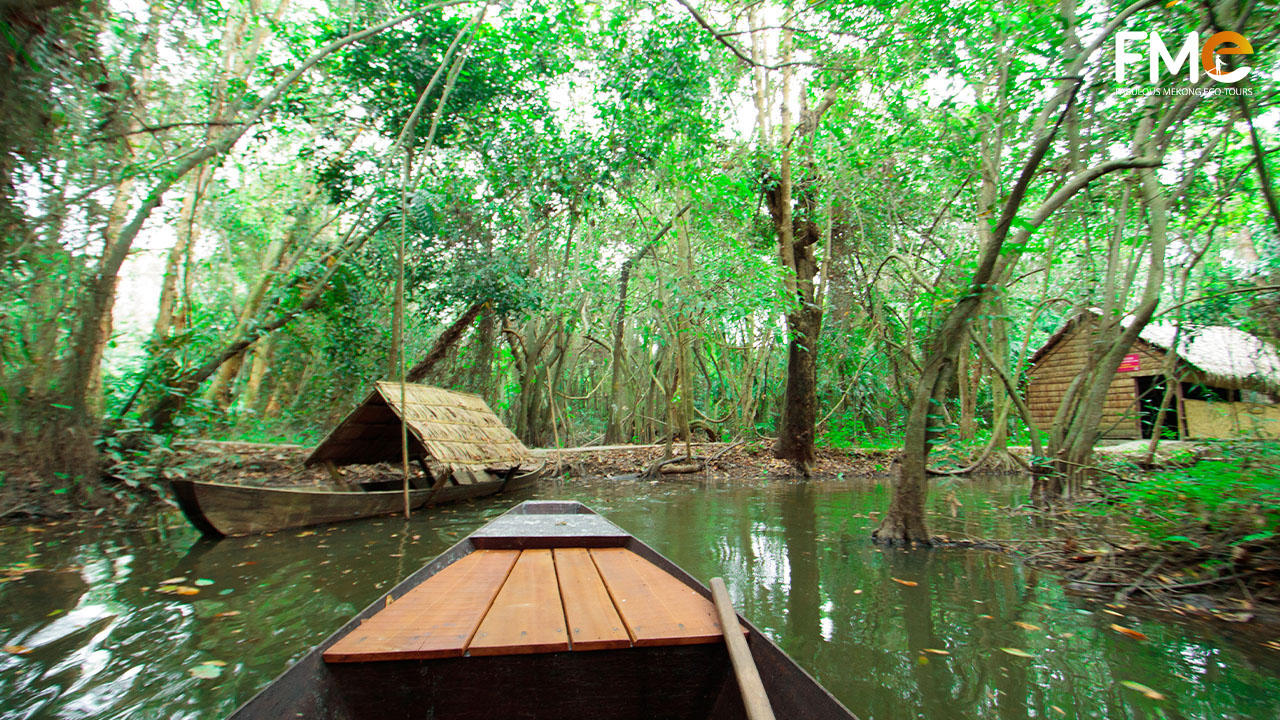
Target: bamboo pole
x=399 y=328
x=754 y=697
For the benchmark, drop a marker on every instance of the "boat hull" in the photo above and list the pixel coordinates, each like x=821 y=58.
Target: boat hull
x=677 y=682
x=220 y=509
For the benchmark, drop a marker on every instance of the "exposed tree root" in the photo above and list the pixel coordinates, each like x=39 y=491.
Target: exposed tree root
x=1223 y=578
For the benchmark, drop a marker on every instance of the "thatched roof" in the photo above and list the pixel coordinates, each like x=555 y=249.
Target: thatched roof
x=456 y=429
x=1226 y=357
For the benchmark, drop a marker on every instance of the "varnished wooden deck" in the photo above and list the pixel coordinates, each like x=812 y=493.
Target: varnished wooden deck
x=512 y=602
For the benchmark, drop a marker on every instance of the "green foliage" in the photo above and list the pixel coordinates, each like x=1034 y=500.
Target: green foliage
x=1237 y=494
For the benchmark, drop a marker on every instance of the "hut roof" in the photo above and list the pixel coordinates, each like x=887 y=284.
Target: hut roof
x=1227 y=356
x=454 y=428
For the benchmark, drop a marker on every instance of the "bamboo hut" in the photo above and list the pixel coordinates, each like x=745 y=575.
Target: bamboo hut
x=450 y=433
x=1226 y=382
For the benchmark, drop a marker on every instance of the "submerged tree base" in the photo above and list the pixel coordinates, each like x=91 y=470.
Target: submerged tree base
x=902 y=535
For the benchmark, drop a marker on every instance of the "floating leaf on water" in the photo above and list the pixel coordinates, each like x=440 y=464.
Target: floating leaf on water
x=206 y=672
x=305 y=533
x=908 y=583
x=218 y=663
x=244 y=563
x=1017 y=653
x=936 y=651
x=225 y=591
x=1026 y=626
x=1129 y=632
x=16 y=649
x=1142 y=689
x=174 y=580
x=178 y=590
x=203 y=582
x=56 y=611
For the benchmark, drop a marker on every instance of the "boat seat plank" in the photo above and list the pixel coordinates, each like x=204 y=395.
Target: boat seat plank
x=435 y=619
x=527 y=616
x=656 y=607
x=549 y=531
x=592 y=619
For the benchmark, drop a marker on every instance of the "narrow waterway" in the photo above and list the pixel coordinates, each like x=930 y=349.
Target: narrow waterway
x=91 y=630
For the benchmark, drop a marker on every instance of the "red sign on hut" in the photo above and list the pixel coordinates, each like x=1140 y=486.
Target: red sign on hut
x=1131 y=362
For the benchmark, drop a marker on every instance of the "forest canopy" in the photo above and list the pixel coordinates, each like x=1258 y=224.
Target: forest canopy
x=826 y=223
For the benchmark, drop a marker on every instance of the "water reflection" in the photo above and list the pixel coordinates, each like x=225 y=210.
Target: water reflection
x=893 y=634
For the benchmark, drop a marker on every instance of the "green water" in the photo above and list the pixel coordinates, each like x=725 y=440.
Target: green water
x=103 y=643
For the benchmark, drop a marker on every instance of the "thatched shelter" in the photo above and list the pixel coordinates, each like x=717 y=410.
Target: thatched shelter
x=454 y=431
x=1228 y=381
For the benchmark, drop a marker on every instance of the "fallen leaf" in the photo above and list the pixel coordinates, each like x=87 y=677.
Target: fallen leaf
x=246 y=562
x=1142 y=689
x=1017 y=653
x=936 y=651
x=16 y=649
x=305 y=533
x=228 y=613
x=178 y=590
x=204 y=582
x=174 y=580
x=1058 y=710
x=986 y=617
x=908 y=583
x=206 y=672
x=1026 y=626
x=1113 y=612
x=1128 y=632
x=857 y=592
x=219 y=663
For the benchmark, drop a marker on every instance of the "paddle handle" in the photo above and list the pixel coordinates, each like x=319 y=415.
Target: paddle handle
x=754 y=698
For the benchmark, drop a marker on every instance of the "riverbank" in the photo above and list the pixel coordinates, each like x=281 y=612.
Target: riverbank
x=1233 y=575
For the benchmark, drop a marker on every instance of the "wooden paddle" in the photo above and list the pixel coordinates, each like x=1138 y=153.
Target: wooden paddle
x=754 y=696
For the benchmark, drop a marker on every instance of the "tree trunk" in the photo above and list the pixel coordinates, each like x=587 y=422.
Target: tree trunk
x=444 y=343
x=797 y=430
x=614 y=431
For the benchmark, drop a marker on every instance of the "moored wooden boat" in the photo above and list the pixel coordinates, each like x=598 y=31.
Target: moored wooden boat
x=462 y=448
x=550 y=611
x=223 y=509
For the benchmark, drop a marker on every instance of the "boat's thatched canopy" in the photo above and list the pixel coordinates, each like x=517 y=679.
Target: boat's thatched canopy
x=455 y=429
x=1220 y=355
